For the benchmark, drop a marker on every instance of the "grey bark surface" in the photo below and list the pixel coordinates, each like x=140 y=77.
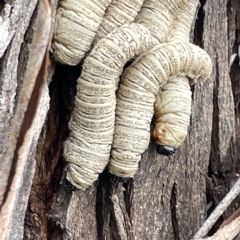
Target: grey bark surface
x=169 y=198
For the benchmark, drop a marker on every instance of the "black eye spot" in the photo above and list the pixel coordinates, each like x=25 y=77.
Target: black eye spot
x=69 y=186
x=165 y=150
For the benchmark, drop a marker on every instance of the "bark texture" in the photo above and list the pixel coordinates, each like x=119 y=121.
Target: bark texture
x=169 y=198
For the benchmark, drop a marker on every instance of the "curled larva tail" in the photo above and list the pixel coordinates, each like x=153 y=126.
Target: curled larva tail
x=172 y=111
x=118 y=13
x=76 y=25
x=136 y=96
x=87 y=149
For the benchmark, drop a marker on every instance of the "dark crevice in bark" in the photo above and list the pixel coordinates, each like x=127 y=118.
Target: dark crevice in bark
x=99 y=217
x=2 y=4
x=25 y=52
x=234 y=74
x=173 y=203
x=62 y=90
x=198 y=30
x=49 y=162
x=115 y=234
x=128 y=195
x=2 y=66
x=233 y=36
x=103 y=204
x=214 y=155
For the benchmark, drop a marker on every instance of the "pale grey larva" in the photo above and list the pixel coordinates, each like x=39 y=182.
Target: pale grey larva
x=172 y=109
x=118 y=13
x=76 y=25
x=88 y=146
x=136 y=96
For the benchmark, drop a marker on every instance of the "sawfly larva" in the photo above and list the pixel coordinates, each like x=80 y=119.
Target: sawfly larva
x=88 y=146
x=173 y=117
x=118 y=13
x=76 y=25
x=136 y=96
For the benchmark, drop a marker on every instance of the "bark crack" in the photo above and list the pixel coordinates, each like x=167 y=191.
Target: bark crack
x=173 y=203
x=198 y=30
x=123 y=221
x=214 y=155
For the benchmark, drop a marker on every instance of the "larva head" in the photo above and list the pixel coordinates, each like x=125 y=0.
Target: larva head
x=167 y=134
x=165 y=150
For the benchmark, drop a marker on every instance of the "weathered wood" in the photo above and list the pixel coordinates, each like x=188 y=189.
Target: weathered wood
x=167 y=198
x=23 y=107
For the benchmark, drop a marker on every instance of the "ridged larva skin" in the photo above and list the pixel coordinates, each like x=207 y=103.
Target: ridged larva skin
x=76 y=25
x=136 y=96
x=87 y=149
x=118 y=13
x=181 y=26
x=154 y=14
x=157 y=16
x=172 y=112
x=172 y=109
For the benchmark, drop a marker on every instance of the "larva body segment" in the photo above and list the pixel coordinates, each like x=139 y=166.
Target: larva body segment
x=118 y=13
x=181 y=26
x=157 y=16
x=76 y=25
x=142 y=80
x=87 y=149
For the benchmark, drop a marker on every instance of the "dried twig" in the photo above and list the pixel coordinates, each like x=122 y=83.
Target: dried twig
x=218 y=211
x=228 y=232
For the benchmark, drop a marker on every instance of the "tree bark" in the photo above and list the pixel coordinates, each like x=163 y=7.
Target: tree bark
x=169 y=198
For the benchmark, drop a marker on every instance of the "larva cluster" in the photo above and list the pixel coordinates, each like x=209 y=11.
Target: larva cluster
x=87 y=149
x=118 y=13
x=136 y=96
x=161 y=74
x=76 y=25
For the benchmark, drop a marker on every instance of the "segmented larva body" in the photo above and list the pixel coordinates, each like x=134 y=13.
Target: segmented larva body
x=87 y=149
x=172 y=109
x=118 y=13
x=136 y=96
x=76 y=25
